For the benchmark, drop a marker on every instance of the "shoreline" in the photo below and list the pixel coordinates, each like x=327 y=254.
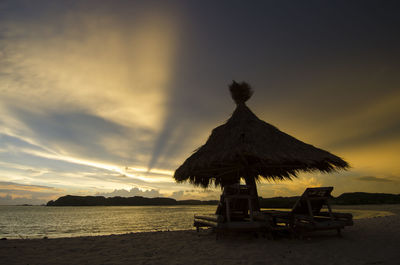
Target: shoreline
x=370 y=241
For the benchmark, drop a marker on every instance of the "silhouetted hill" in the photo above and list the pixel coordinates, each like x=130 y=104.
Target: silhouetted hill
x=275 y=202
x=70 y=200
x=367 y=198
x=351 y=198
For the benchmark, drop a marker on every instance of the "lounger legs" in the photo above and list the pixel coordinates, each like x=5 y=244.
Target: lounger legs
x=339 y=232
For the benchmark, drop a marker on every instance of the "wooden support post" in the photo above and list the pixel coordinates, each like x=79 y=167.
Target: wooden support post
x=339 y=233
x=250 y=209
x=309 y=208
x=329 y=209
x=228 y=210
x=251 y=182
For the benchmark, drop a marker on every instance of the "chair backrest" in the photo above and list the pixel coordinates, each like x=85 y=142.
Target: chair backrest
x=313 y=199
x=238 y=201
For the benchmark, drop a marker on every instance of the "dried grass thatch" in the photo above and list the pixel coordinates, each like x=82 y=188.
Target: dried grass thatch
x=249 y=148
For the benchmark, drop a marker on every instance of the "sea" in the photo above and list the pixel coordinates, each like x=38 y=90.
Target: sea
x=27 y=222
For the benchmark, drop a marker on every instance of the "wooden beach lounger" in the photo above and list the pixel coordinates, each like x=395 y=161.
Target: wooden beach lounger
x=306 y=214
x=235 y=213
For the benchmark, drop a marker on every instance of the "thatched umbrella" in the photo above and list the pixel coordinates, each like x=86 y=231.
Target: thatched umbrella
x=249 y=148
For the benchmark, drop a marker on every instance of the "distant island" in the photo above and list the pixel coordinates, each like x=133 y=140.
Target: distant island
x=352 y=198
x=70 y=200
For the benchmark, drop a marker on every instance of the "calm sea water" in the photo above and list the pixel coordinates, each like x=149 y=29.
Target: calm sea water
x=40 y=221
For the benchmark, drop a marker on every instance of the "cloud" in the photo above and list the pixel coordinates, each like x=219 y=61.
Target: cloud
x=132 y=192
x=374 y=179
x=375 y=158
x=10 y=200
x=14 y=193
x=67 y=69
x=94 y=96
x=289 y=188
x=11 y=186
x=376 y=122
x=24 y=187
x=178 y=195
x=64 y=90
x=200 y=194
x=197 y=194
x=84 y=134
x=46 y=165
x=76 y=112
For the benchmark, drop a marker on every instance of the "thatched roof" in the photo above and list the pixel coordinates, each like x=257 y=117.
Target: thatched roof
x=247 y=147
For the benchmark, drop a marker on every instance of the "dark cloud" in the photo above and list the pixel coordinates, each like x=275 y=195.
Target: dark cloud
x=374 y=179
x=308 y=62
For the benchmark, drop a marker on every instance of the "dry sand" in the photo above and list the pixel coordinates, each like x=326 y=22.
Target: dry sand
x=369 y=241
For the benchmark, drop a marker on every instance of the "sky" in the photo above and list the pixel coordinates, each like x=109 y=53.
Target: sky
x=110 y=97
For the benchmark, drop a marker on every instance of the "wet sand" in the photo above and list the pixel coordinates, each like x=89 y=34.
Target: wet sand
x=370 y=241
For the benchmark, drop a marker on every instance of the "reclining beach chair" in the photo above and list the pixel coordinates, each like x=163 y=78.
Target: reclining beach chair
x=235 y=213
x=306 y=214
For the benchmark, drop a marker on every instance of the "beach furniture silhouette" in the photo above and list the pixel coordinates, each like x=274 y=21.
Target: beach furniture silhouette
x=308 y=215
x=236 y=212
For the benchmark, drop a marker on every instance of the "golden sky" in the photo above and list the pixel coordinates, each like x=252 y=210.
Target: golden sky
x=100 y=97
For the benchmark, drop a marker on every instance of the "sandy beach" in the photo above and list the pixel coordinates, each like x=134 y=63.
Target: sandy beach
x=369 y=241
